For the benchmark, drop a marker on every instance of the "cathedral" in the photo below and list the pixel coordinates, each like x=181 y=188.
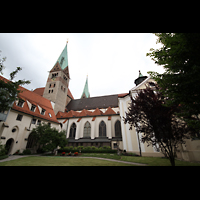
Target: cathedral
x=88 y=121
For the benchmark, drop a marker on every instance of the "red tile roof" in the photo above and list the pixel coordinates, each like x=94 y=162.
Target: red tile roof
x=39 y=91
x=109 y=111
x=97 y=112
x=122 y=95
x=35 y=99
x=85 y=113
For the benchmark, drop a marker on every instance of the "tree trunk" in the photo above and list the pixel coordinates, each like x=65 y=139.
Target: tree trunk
x=172 y=160
x=139 y=144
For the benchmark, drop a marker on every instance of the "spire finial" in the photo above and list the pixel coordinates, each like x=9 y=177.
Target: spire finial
x=140 y=74
x=67 y=40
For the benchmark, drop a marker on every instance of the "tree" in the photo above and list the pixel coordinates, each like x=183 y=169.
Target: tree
x=157 y=123
x=9 y=89
x=180 y=83
x=48 y=138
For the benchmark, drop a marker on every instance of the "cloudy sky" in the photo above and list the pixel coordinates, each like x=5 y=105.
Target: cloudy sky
x=111 y=60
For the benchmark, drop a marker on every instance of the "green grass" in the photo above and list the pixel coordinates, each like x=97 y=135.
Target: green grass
x=150 y=161
x=60 y=161
x=78 y=161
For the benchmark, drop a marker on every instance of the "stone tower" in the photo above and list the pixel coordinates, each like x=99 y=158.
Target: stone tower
x=57 y=83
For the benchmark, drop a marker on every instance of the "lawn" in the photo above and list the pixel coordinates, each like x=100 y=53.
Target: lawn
x=150 y=161
x=59 y=161
x=78 y=161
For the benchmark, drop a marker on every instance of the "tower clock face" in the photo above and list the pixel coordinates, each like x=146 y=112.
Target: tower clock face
x=53 y=79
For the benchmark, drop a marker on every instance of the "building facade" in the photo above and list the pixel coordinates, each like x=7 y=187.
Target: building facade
x=88 y=121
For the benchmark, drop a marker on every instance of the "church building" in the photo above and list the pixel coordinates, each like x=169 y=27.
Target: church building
x=88 y=121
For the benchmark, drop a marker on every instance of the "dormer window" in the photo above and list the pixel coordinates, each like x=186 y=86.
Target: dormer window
x=43 y=111
x=20 y=103
x=33 y=108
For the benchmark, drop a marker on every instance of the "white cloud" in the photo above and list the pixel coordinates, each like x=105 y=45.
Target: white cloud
x=112 y=61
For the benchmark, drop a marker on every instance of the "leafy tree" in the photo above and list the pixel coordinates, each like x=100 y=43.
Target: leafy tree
x=180 y=83
x=48 y=138
x=9 y=89
x=156 y=122
x=2 y=150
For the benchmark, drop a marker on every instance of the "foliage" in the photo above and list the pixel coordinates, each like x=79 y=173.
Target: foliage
x=49 y=138
x=87 y=149
x=9 y=90
x=155 y=122
x=180 y=84
x=2 y=150
x=26 y=152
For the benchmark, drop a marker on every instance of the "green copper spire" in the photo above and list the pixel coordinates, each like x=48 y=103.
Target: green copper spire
x=63 y=58
x=86 y=93
x=140 y=74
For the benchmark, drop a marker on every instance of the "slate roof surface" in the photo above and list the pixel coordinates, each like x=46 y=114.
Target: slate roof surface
x=93 y=103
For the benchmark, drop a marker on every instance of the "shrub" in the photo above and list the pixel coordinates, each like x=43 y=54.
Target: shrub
x=17 y=152
x=2 y=150
x=26 y=152
x=87 y=149
x=80 y=147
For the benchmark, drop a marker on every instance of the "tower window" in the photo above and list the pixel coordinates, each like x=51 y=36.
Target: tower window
x=49 y=91
x=50 y=85
x=65 y=78
x=54 y=85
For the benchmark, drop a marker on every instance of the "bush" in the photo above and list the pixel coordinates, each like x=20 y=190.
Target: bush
x=2 y=150
x=26 y=152
x=87 y=149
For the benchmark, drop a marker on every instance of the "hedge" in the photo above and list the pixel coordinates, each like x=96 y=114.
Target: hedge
x=87 y=149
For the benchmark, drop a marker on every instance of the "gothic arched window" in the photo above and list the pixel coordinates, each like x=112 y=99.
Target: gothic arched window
x=102 y=129
x=72 y=132
x=87 y=130
x=118 y=132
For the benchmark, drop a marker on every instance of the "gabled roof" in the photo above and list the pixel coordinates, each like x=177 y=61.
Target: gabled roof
x=85 y=113
x=93 y=103
x=97 y=112
x=37 y=100
x=109 y=111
